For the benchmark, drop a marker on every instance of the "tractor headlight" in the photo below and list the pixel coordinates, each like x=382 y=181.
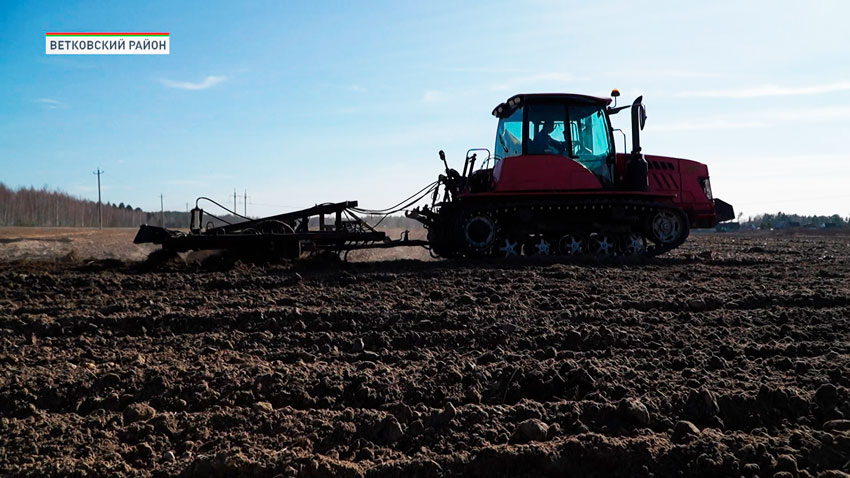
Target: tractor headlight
x=706 y=187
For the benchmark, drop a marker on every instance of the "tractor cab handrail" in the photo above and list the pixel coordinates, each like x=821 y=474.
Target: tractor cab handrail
x=470 y=160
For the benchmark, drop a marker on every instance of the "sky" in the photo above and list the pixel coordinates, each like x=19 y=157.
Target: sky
x=298 y=103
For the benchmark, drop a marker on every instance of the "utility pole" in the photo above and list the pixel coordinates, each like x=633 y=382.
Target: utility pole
x=234 y=201
x=161 y=212
x=99 y=204
x=246 y=204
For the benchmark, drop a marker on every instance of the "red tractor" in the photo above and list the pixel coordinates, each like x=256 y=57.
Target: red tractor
x=555 y=184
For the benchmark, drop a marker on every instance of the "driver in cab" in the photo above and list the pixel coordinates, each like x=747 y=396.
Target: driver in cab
x=543 y=143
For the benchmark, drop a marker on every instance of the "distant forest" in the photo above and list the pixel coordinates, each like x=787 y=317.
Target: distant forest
x=43 y=207
x=782 y=220
x=46 y=208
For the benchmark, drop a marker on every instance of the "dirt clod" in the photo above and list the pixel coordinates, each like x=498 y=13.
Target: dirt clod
x=837 y=425
x=786 y=463
x=531 y=430
x=391 y=430
x=138 y=411
x=448 y=413
x=684 y=431
x=634 y=411
x=833 y=474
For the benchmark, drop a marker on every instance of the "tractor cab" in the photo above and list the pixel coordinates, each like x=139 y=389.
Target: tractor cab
x=554 y=143
x=549 y=142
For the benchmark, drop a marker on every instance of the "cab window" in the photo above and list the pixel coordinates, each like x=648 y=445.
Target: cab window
x=545 y=127
x=509 y=136
x=590 y=137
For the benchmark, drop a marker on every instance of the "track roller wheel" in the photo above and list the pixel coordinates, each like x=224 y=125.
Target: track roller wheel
x=602 y=244
x=537 y=246
x=571 y=245
x=634 y=244
x=510 y=247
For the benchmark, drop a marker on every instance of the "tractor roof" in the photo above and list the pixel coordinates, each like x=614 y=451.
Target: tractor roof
x=508 y=107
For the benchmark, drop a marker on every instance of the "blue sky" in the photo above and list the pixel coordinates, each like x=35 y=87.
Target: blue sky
x=302 y=102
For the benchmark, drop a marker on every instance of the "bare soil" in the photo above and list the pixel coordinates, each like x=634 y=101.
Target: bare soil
x=70 y=244
x=727 y=357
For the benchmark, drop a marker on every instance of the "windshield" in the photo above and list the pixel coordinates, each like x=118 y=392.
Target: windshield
x=580 y=133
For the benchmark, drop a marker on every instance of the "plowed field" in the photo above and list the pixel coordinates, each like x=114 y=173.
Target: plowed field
x=727 y=357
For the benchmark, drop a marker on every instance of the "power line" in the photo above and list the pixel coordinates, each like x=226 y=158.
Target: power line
x=99 y=203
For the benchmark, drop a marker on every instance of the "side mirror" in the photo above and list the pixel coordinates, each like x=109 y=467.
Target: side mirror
x=640 y=109
x=642 y=116
x=638 y=122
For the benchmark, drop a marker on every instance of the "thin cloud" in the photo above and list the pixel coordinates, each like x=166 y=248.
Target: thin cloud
x=484 y=69
x=73 y=63
x=186 y=182
x=760 y=119
x=665 y=73
x=352 y=87
x=90 y=189
x=548 y=77
x=434 y=96
x=207 y=83
x=704 y=125
x=770 y=90
x=52 y=104
x=826 y=113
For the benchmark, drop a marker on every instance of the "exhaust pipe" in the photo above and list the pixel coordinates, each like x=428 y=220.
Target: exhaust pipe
x=638 y=121
x=637 y=169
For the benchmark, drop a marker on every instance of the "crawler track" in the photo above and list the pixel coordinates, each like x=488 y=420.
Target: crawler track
x=552 y=219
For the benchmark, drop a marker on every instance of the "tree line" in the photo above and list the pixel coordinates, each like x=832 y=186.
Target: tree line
x=50 y=208
x=44 y=207
x=783 y=220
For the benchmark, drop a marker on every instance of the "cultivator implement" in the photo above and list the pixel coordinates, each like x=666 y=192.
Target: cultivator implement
x=334 y=227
